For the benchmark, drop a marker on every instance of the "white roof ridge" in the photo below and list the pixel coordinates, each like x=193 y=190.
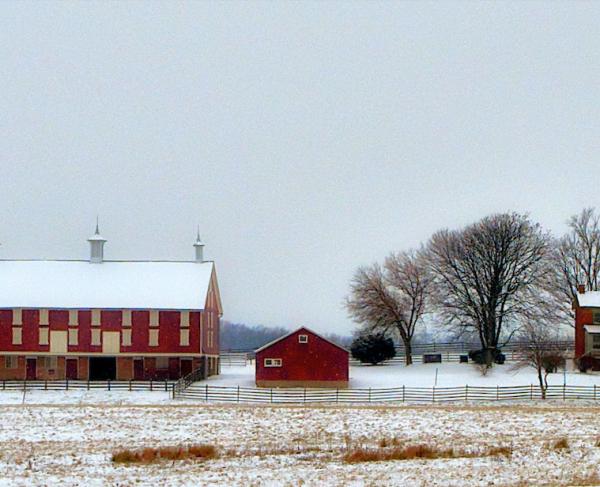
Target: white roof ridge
x=273 y=342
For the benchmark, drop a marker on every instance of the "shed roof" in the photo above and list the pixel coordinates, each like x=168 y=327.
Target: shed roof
x=296 y=331
x=112 y=284
x=592 y=328
x=589 y=299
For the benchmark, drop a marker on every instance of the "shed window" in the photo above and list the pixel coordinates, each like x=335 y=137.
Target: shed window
x=596 y=317
x=302 y=338
x=596 y=341
x=272 y=362
x=11 y=362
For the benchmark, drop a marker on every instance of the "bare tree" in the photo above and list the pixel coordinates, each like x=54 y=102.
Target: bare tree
x=576 y=258
x=488 y=276
x=391 y=298
x=538 y=349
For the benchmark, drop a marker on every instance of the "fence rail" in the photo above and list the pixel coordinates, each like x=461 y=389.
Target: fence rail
x=107 y=385
x=428 y=395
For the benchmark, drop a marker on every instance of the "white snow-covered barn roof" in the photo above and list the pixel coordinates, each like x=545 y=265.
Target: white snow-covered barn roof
x=590 y=299
x=111 y=284
x=302 y=328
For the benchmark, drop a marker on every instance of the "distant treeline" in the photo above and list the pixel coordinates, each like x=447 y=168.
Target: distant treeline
x=239 y=336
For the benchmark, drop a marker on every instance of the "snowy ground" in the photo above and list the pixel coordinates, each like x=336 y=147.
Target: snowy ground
x=422 y=375
x=72 y=445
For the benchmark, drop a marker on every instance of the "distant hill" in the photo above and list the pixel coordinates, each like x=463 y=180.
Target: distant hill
x=239 y=336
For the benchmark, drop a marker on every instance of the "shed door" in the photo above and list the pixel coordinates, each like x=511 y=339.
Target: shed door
x=111 y=342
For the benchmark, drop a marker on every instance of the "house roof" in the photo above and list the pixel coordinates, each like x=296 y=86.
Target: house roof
x=111 y=284
x=589 y=299
x=296 y=331
x=592 y=328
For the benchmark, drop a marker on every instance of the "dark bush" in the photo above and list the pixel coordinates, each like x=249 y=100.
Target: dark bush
x=373 y=349
x=478 y=356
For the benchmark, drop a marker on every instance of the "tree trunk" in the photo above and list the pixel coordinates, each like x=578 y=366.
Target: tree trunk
x=408 y=352
x=488 y=356
x=542 y=386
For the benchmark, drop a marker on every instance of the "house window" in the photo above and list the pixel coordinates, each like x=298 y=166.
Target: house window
x=95 y=317
x=73 y=337
x=73 y=317
x=153 y=338
x=126 y=338
x=11 y=362
x=43 y=336
x=184 y=337
x=272 y=362
x=127 y=318
x=596 y=341
x=17 y=336
x=302 y=338
x=95 y=337
x=162 y=362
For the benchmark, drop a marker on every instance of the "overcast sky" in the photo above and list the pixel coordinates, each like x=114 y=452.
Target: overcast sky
x=305 y=139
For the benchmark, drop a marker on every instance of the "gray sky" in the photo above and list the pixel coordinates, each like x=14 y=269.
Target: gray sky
x=306 y=139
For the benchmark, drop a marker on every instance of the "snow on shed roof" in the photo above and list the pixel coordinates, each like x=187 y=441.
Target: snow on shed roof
x=296 y=331
x=592 y=328
x=111 y=284
x=590 y=299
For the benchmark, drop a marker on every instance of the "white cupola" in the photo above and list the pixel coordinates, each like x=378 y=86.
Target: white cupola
x=199 y=246
x=96 y=246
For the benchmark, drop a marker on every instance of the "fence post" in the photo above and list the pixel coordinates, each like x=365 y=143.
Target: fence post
x=67 y=385
x=564 y=391
x=594 y=392
x=206 y=392
x=304 y=397
x=271 y=394
x=369 y=394
x=466 y=392
x=238 y=393
x=403 y=386
x=166 y=385
x=150 y=385
x=88 y=384
x=337 y=392
x=129 y=385
x=46 y=385
x=109 y=384
x=433 y=395
x=531 y=392
x=3 y=384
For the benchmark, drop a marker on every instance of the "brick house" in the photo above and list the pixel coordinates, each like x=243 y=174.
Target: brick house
x=101 y=319
x=302 y=358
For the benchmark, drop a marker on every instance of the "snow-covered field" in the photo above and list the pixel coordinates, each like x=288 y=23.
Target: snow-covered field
x=72 y=444
x=423 y=375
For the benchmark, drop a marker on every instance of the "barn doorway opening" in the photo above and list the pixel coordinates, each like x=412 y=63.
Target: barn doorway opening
x=103 y=368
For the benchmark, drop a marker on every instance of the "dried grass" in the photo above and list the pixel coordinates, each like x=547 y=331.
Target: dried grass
x=151 y=455
x=561 y=444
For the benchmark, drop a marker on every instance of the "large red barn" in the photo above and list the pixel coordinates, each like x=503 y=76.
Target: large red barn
x=302 y=358
x=102 y=319
x=587 y=326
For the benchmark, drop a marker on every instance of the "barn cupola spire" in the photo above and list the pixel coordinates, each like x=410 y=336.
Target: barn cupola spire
x=96 y=246
x=199 y=246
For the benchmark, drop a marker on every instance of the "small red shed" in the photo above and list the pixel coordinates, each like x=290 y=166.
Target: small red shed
x=302 y=358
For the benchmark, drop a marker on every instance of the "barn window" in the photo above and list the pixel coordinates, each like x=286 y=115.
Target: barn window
x=272 y=362
x=185 y=319
x=302 y=338
x=154 y=317
x=43 y=317
x=95 y=337
x=73 y=317
x=11 y=361
x=17 y=336
x=48 y=362
x=126 y=320
x=43 y=336
x=17 y=316
x=184 y=337
x=96 y=317
x=162 y=362
x=73 y=337
x=596 y=317
x=153 y=338
x=126 y=338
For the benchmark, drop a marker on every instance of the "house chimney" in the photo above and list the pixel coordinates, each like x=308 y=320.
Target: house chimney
x=581 y=288
x=199 y=246
x=96 y=246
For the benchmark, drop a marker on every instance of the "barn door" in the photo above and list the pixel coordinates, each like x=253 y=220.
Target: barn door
x=31 y=370
x=138 y=369
x=71 y=368
x=186 y=367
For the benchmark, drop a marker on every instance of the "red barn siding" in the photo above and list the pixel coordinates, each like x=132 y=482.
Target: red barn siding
x=583 y=316
x=318 y=363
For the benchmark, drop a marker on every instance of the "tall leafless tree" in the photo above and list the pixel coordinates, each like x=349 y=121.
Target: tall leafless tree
x=538 y=347
x=392 y=298
x=576 y=259
x=488 y=276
